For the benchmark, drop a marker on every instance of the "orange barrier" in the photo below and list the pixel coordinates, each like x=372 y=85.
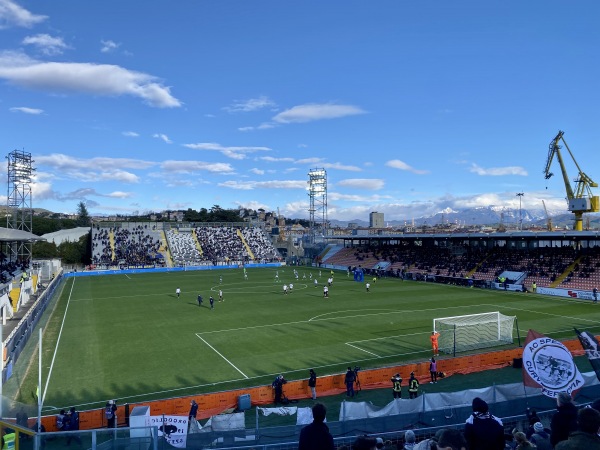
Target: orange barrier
x=215 y=403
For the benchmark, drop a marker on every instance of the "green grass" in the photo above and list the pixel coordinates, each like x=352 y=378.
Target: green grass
x=129 y=337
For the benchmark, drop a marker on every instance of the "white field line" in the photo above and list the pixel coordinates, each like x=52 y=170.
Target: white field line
x=128 y=276
x=58 y=342
x=217 y=352
x=549 y=314
x=363 y=350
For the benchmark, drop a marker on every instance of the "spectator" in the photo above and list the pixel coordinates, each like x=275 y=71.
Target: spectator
x=73 y=426
x=61 y=420
x=22 y=418
x=365 y=443
x=409 y=440
x=522 y=442
x=8 y=438
x=428 y=444
x=565 y=420
x=316 y=436
x=451 y=440
x=110 y=412
x=483 y=431
x=193 y=410
x=540 y=437
x=586 y=437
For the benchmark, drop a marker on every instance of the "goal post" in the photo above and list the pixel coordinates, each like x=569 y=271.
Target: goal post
x=473 y=331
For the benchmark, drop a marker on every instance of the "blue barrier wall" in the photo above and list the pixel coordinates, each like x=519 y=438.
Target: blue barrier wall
x=91 y=273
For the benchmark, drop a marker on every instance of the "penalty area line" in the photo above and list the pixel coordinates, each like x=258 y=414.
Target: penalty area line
x=217 y=352
x=363 y=350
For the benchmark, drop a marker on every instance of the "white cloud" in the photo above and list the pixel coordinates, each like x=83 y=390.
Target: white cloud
x=162 y=137
x=245 y=128
x=313 y=160
x=230 y=152
x=356 y=198
x=313 y=111
x=273 y=184
x=340 y=166
x=130 y=134
x=273 y=159
x=109 y=46
x=12 y=14
x=372 y=184
x=119 y=194
x=196 y=166
x=257 y=171
x=253 y=104
x=252 y=205
x=65 y=163
x=93 y=79
x=397 y=164
x=25 y=110
x=46 y=44
x=498 y=171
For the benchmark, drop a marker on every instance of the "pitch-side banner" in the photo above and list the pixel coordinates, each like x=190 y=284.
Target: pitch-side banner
x=548 y=364
x=172 y=428
x=590 y=345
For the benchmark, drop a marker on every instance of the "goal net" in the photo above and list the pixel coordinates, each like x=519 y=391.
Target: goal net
x=464 y=333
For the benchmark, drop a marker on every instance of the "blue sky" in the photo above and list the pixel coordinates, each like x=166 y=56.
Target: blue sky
x=411 y=107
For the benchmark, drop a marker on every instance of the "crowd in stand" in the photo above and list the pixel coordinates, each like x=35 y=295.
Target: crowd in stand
x=259 y=244
x=132 y=247
x=542 y=265
x=136 y=247
x=9 y=269
x=221 y=244
x=570 y=429
x=139 y=247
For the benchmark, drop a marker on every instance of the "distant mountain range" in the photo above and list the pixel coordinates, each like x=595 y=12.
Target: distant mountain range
x=485 y=216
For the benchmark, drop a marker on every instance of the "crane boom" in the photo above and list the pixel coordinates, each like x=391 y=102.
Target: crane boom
x=580 y=199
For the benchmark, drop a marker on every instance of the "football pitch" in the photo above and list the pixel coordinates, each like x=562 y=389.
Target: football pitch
x=129 y=337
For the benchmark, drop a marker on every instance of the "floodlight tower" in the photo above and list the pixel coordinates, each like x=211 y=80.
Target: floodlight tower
x=317 y=192
x=19 y=210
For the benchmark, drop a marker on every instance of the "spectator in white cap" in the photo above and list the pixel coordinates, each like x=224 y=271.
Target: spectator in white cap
x=409 y=440
x=540 y=437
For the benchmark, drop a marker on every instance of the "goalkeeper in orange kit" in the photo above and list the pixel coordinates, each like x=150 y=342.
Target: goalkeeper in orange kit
x=434 y=342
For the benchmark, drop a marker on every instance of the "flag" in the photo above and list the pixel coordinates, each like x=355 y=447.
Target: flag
x=548 y=364
x=590 y=345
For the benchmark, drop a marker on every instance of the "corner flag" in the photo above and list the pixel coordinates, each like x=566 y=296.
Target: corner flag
x=548 y=364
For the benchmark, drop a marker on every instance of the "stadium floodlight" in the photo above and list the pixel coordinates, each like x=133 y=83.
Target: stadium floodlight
x=473 y=331
x=317 y=192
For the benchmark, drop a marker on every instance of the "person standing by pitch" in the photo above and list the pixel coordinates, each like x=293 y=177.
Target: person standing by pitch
x=312 y=383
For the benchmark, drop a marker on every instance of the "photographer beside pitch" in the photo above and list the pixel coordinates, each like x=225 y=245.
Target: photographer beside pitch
x=277 y=385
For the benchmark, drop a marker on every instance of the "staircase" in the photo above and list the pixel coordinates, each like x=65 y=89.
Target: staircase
x=565 y=274
x=14 y=294
x=111 y=240
x=241 y=236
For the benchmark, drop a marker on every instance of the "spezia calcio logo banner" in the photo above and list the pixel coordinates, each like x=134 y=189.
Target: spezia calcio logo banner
x=549 y=365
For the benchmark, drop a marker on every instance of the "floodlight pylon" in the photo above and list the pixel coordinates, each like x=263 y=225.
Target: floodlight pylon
x=317 y=193
x=19 y=209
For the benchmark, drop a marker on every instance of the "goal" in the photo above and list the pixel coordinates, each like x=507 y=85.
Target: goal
x=470 y=332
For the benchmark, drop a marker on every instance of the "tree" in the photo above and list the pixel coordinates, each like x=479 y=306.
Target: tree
x=83 y=219
x=41 y=249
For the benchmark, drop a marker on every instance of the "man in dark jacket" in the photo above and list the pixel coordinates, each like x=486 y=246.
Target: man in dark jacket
x=483 y=431
x=586 y=436
x=277 y=385
x=349 y=380
x=316 y=436
x=565 y=420
x=312 y=383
